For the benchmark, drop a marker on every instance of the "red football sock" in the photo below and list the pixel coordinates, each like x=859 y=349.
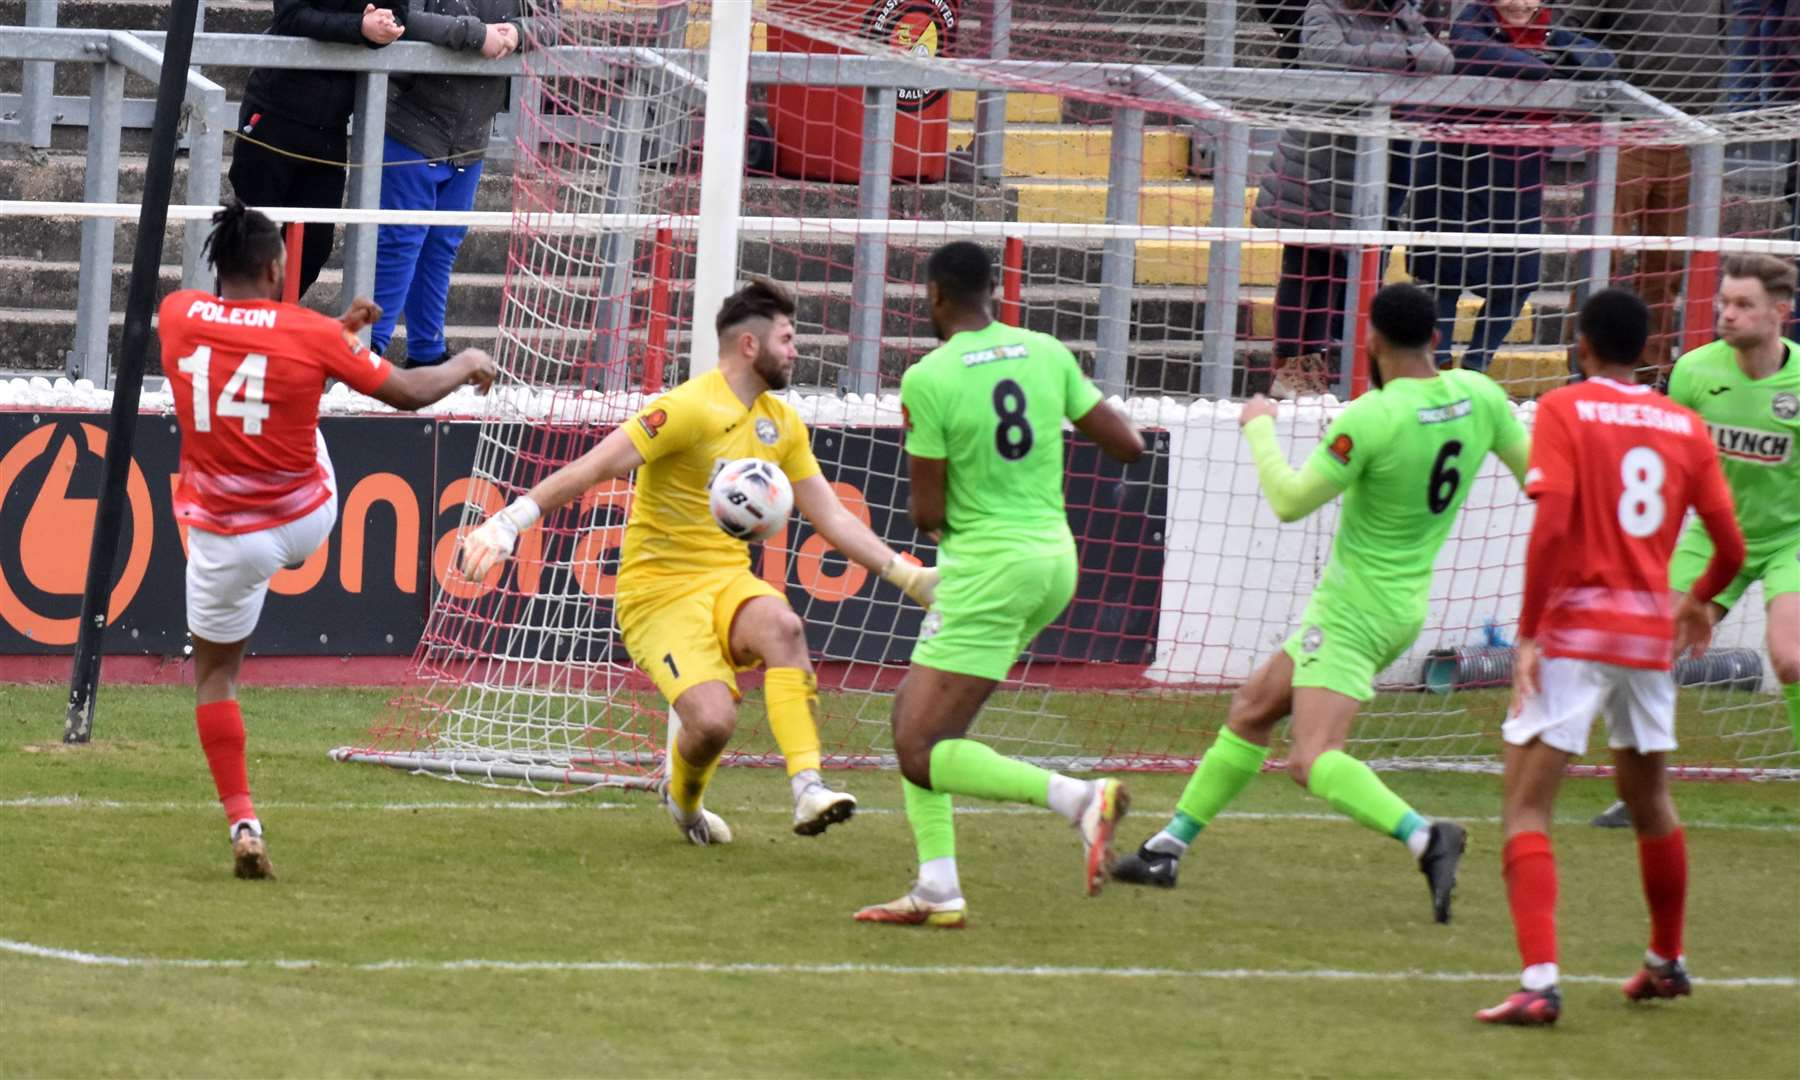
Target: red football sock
x=1662 y=861
x=1530 y=870
x=221 y=728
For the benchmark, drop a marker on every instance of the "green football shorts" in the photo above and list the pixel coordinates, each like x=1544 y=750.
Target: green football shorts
x=1777 y=567
x=1340 y=646
x=988 y=611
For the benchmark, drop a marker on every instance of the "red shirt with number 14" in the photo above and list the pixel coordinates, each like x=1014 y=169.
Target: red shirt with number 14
x=1632 y=462
x=247 y=376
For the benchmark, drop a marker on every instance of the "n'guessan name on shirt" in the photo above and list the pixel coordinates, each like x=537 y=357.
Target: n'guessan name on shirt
x=1633 y=414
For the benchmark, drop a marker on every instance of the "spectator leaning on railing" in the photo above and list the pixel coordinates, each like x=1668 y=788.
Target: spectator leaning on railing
x=437 y=133
x=1311 y=180
x=293 y=126
x=1463 y=187
x=1671 y=49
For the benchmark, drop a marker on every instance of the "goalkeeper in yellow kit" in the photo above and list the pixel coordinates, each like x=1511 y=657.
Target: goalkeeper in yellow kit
x=691 y=612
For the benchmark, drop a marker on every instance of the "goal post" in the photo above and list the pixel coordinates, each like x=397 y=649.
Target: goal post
x=721 y=176
x=1176 y=222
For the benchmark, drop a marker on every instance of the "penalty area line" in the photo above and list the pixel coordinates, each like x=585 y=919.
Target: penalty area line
x=78 y=802
x=1003 y=971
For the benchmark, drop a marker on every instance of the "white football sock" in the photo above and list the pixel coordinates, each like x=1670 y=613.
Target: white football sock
x=1419 y=840
x=1167 y=843
x=1538 y=977
x=937 y=879
x=802 y=780
x=1069 y=797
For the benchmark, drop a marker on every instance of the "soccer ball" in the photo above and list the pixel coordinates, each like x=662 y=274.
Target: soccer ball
x=751 y=498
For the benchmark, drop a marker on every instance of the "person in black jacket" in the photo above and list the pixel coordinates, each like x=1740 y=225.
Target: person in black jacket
x=1473 y=187
x=293 y=127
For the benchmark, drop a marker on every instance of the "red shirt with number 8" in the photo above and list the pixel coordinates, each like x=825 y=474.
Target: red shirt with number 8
x=1632 y=462
x=247 y=376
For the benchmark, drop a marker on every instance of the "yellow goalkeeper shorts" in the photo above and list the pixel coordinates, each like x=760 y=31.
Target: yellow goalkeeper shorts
x=681 y=637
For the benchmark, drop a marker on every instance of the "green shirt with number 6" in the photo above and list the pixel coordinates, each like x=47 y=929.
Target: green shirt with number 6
x=1405 y=456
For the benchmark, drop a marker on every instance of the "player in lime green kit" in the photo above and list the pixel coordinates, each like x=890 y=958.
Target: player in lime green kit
x=1746 y=386
x=984 y=440
x=1403 y=457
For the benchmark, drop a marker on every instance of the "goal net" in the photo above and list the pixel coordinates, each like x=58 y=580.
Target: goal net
x=1199 y=200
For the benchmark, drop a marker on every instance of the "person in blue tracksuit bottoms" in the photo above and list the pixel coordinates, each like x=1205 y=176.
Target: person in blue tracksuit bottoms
x=437 y=133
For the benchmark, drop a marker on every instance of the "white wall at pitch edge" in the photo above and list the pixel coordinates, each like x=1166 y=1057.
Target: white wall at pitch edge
x=1236 y=579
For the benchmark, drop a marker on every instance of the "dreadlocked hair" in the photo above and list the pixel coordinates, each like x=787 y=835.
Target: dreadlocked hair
x=243 y=242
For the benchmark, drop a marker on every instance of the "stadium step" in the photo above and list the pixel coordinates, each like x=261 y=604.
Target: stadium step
x=1021 y=108
x=1079 y=150
x=1162 y=318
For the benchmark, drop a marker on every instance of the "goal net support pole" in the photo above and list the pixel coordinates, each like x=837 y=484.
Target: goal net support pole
x=721 y=175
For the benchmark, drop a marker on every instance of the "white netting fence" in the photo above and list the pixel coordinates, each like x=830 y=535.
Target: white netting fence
x=1197 y=222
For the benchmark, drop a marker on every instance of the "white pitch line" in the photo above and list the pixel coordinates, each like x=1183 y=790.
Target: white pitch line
x=78 y=802
x=1005 y=971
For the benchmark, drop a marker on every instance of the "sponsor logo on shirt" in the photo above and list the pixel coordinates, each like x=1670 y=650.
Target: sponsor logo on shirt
x=1534 y=475
x=1633 y=414
x=1785 y=406
x=653 y=421
x=1753 y=444
x=998 y=352
x=1456 y=410
x=357 y=348
x=1340 y=448
x=767 y=432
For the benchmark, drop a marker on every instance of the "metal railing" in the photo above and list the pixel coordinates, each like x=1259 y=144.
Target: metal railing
x=112 y=54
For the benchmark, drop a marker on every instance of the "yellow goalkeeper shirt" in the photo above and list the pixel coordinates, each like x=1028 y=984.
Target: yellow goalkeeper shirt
x=686 y=436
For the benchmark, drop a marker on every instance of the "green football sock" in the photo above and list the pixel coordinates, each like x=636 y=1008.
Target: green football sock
x=1226 y=770
x=966 y=767
x=1791 y=691
x=1354 y=790
x=933 y=822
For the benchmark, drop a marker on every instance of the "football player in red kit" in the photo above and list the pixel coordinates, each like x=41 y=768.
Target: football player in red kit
x=256 y=489
x=1614 y=468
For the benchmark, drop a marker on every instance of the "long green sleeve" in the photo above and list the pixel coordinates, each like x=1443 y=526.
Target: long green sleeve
x=1292 y=495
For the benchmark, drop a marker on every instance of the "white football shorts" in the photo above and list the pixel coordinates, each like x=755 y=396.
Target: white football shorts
x=228 y=576
x=1638 y=704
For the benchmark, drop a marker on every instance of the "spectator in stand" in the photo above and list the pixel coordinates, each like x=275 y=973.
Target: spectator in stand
x=437 y=135
x=1311 y=183
x=293 y=127
x=1753 y=54
x=1462 y=187
x=1283 y=18
x=1671 y=49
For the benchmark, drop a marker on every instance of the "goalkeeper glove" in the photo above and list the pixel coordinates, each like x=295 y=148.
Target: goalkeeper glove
x=488 y=545
x=916 y=581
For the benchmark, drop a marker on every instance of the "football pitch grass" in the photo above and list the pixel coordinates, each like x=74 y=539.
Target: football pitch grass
x=428 y=928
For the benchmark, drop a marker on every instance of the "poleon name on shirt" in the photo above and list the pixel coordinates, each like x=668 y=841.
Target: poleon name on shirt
x=214 y=312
